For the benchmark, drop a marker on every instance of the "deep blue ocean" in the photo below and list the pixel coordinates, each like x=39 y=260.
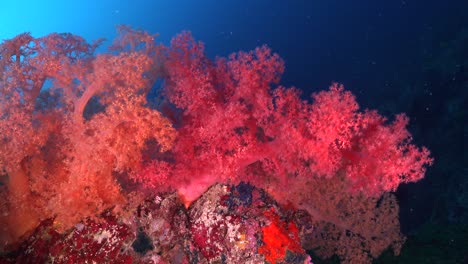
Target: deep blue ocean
x=396 y=56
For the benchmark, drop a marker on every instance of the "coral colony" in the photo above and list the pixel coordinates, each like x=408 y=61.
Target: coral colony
x=153 y=153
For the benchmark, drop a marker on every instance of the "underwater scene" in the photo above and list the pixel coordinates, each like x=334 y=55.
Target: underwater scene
x=261 y=131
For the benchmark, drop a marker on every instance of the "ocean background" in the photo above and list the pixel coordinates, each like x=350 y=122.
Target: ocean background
x=395 y=56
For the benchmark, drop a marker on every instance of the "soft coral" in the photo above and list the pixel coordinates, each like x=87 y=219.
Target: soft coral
x=232 y=118
x=336 y=160
x=61 y=161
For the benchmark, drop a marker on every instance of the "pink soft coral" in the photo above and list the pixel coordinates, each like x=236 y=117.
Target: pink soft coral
x=232 y=119
x=376 y=155
x=336 y=161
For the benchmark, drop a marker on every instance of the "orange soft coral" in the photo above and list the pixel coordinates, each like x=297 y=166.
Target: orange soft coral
x=70 y=120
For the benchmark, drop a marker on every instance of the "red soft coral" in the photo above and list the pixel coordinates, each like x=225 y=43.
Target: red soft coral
x=278 y=238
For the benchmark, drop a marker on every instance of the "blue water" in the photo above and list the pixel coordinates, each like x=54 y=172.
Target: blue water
x=358 y=43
